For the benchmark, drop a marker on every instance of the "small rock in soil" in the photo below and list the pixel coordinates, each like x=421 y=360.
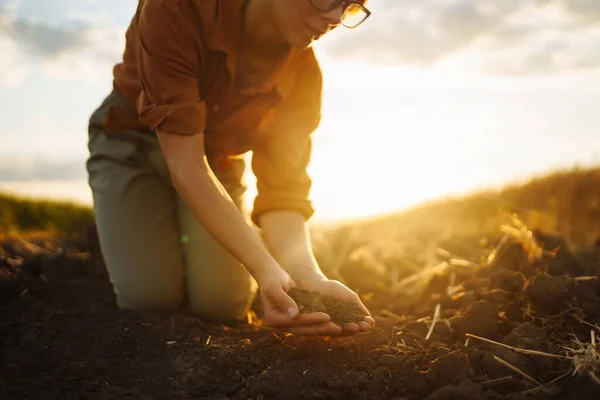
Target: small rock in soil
x=340 y=311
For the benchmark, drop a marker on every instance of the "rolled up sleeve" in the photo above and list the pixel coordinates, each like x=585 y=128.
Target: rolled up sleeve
x=281 y=158
x=169 y=69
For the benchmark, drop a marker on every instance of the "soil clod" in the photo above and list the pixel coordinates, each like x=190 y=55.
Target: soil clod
x=340 y=311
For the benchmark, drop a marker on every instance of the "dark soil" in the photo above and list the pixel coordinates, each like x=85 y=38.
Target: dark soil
x=339 y=311
x=63 y=337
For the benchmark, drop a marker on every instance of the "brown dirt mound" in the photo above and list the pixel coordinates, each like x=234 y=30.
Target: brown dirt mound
x=63 y=337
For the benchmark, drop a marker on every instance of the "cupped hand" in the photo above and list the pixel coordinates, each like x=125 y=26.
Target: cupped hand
x=281 y=311
x=321 y=284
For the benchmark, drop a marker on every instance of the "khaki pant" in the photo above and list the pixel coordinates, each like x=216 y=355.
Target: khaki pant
x=157 y=254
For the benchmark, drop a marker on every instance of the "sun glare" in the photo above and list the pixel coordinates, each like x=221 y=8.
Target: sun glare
x=385 y=151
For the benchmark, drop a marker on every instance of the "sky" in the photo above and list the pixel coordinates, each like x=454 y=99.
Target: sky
x=427 y=98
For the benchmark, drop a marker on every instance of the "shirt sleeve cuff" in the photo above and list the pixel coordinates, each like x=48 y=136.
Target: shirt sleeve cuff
x=184 y=119
x=274 y=202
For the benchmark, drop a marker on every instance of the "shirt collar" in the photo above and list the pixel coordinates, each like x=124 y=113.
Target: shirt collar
x=226 y=37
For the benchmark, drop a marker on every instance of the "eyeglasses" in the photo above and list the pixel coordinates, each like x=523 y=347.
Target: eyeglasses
x=354 y=12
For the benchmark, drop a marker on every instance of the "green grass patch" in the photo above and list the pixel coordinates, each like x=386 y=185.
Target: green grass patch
x=23 y=215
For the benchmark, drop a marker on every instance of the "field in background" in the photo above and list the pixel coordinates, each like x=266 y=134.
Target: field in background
x=565 y=202
x=376 y=254
x=21 y=215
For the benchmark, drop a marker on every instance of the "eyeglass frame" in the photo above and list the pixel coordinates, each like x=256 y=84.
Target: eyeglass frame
x=345 y=4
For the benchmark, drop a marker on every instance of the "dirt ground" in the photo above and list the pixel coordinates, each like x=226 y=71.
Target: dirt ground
x=62 y=336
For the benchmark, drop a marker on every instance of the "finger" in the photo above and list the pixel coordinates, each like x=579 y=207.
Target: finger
x=328 y=328
x=370 y=320
x=312 y=318
x=364 y=326
x=280 y=299
x=281 y=320
x=351 y=328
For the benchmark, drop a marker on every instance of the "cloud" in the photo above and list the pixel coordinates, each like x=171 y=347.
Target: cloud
x=48 y=41
x=586 y=9
x=11 y=74
x=35 y=167
x=508 y=36
x=547 y=52
x=83 y=47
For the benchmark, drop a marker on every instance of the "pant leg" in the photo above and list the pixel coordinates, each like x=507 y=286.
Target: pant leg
x=135 y=209
x=218 y=286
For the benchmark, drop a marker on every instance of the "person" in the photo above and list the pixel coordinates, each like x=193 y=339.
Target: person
x=202 y=83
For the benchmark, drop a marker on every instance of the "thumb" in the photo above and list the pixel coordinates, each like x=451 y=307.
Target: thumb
x=284 y=302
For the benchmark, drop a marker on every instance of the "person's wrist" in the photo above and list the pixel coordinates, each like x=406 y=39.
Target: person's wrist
x=265 y=271
x=306 y=275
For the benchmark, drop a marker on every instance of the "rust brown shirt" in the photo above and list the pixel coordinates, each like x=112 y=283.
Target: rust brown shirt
x=178 y=72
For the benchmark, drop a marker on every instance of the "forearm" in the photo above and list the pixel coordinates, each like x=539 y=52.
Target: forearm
x=287 y=237
x=210 y=203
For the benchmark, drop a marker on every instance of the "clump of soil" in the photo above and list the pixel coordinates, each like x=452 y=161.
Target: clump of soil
x=480 y=318
x=548 y=293
x=340 y=311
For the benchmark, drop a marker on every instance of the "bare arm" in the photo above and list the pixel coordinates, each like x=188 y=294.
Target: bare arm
x=287 y=237
x=209 y=201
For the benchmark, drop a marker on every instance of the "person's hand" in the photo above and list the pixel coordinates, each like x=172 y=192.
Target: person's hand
x=281 y=311
x=319 y=283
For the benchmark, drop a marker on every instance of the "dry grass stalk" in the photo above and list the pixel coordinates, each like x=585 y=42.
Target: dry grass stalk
x=535 y=389
x=580 y=319
x=447 y=322
x=523 y=234
x=453 y=288
x=497 y=252
x=497 y=381
x=436 y=317
x=451 y=284
x=443 y=253
x=517 y=370
x=446 y=255
x=461 y=262
x=585 y=278
x=518 y=350
x=417 y=281
x=587 y=358
x=390 y=314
